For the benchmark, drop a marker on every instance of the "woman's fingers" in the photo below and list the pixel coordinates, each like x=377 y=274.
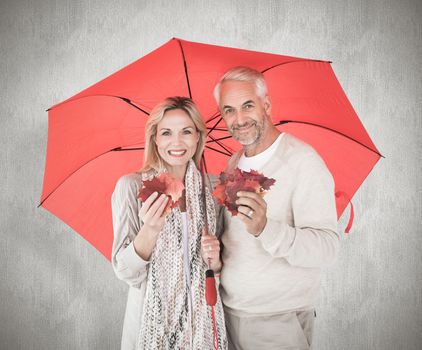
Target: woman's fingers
x=153 y=208
x=147 y=204
x=211 y=252
x=210 y=246
x=160 y=210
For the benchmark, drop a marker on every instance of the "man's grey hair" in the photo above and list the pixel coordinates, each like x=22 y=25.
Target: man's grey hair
x=244 y=74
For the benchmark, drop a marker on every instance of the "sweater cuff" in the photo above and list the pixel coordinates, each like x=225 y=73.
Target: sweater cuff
x=277 y=236
x=131 y=258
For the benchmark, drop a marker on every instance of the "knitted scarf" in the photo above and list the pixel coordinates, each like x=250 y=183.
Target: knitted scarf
x=175 y=315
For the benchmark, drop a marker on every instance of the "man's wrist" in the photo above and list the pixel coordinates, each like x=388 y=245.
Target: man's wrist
x=256 y=235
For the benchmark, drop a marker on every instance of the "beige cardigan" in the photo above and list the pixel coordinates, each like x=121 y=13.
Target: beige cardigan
x=280 y=270
x=127 y=264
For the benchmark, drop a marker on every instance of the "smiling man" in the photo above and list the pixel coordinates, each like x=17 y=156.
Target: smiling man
x=274 y=249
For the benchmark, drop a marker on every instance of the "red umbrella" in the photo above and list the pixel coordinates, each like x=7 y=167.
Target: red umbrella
x=97 y=135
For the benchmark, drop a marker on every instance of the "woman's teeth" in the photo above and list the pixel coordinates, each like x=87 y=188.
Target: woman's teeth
x=177 y=153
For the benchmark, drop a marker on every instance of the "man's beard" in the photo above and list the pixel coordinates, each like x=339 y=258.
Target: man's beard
x=256 y=136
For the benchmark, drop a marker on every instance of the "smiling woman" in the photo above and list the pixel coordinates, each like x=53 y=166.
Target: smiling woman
x=176 y=119
x=176 y=140
x=163 y=255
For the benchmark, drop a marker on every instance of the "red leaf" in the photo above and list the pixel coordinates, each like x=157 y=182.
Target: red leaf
x=163 y=183
x=238 y=180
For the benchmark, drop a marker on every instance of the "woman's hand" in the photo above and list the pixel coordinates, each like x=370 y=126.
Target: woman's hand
x=210 y=250
x=153 y=218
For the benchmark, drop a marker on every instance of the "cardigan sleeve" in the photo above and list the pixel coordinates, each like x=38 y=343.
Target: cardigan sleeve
x=127 y=264
x=313 y=240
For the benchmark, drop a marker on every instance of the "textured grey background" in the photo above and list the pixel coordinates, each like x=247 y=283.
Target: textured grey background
x=57 y=292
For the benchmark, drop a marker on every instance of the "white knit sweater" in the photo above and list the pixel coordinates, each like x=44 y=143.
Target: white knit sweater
x=280 y=270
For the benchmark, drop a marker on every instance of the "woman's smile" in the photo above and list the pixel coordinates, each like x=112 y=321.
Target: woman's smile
x=177 y=152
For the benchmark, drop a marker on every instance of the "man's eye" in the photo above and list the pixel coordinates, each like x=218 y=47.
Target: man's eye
x=228 y=111
x=249 y=106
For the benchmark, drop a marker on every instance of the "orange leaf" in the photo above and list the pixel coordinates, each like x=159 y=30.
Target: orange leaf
x=163 y=183
x=239 y=180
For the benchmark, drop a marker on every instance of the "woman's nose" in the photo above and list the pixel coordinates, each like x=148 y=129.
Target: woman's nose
x=175 y=138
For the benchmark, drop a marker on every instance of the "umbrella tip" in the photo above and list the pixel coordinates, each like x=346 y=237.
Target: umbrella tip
x=177 y=39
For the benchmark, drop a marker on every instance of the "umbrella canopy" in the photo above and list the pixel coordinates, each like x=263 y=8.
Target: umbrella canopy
x=97 y=135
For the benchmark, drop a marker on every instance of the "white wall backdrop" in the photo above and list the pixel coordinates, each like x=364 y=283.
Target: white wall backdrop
x=58 y=292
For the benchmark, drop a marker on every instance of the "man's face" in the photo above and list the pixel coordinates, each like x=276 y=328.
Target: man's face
x=246 y=114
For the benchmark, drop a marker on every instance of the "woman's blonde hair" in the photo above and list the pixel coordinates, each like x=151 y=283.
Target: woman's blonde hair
x=152 y=159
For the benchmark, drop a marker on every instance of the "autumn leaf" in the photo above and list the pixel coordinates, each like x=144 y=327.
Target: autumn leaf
x=163 y=183
x=238 y=180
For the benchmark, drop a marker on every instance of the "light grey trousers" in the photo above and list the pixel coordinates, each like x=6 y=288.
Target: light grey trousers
x=292 y=330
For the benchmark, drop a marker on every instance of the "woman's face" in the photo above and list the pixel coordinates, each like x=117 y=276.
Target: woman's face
x=176 y=140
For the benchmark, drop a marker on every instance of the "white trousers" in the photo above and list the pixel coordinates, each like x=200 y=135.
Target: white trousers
x=292 y=330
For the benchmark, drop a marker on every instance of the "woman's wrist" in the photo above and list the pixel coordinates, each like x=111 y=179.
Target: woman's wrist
x=218 y=266
x=144 y=242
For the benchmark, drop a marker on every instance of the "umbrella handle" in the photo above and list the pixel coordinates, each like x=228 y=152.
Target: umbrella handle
x=352 y=212
x=351 y=217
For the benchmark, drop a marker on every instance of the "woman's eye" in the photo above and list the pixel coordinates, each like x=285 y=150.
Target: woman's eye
x=165 y=133
x=187 y=132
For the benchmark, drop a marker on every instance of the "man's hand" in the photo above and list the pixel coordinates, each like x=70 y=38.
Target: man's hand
x=252 y=211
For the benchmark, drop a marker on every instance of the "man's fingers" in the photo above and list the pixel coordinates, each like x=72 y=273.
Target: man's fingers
x=247 y=203
x=245 y=212
x=251 y=197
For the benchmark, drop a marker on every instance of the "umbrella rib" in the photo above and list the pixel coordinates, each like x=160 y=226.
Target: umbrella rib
x=120 y=149
x=128 y=101
x=219 y=143
x=214 y=127
x=281 y=122
x=221 y=129
x=229 y=154
x=132 y=104
x=293 y=61
x=76 y=170
x=216 y=115
x=219 y=139
x=185 y=66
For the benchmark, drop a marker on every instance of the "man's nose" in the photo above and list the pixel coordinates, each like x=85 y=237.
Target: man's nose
x=240 y=117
